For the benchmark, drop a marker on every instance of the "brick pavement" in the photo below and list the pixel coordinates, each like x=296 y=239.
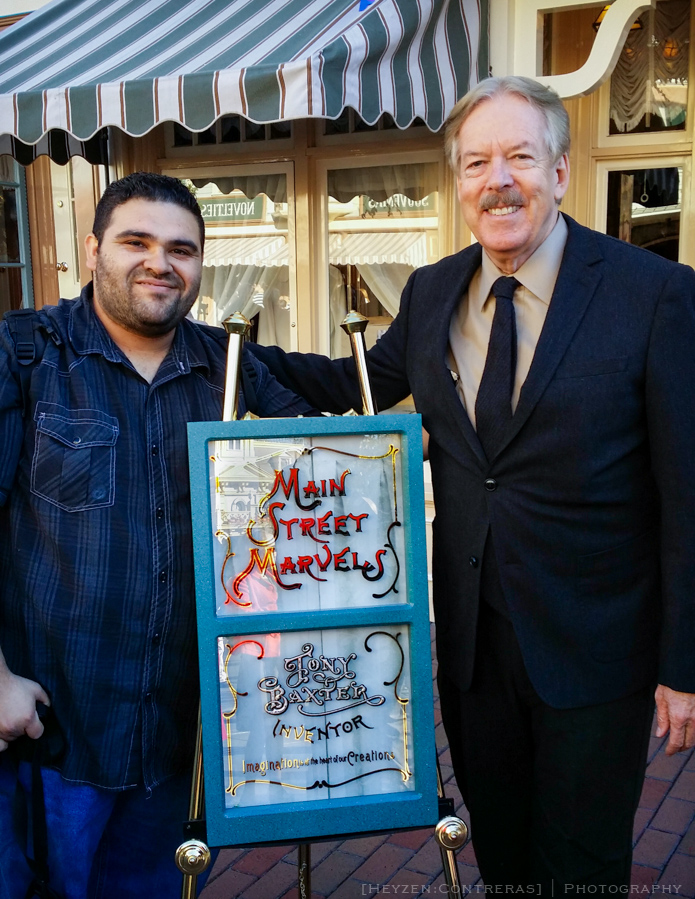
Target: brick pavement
x=410 y=864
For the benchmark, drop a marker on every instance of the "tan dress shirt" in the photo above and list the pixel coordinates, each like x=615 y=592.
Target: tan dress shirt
x=471 y=323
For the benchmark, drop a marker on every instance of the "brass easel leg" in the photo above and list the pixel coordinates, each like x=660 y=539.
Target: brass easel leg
x=451 y=833
x=304 y=870
x=193 y=856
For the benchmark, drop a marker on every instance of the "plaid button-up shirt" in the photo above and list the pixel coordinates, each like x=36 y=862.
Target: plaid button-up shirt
x=96 y=560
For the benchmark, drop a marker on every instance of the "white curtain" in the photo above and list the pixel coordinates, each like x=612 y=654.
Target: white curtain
x=386 y=283
x=651 y=75
x=253 y=290
x=415 y=181
x=273 y=186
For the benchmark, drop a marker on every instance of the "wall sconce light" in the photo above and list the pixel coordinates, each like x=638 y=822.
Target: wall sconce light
x=671 y=48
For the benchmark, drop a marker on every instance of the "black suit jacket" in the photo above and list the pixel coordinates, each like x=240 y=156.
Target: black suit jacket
x=590 y=498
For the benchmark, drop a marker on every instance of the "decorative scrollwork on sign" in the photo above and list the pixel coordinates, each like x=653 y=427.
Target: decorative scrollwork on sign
x=328 y=683
x=402 y=702
x=309 y=541
x=227 y=716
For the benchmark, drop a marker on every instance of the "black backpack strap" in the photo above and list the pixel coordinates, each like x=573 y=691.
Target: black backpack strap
x=29 y=335
x=29 y=809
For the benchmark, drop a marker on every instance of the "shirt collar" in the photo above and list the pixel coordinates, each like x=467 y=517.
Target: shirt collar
x=88 y=335
x=538 y=274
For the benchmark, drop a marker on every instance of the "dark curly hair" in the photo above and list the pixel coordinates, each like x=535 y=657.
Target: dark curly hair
x=145 y=186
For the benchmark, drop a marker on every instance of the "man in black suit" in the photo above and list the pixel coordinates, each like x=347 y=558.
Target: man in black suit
x=562 y=421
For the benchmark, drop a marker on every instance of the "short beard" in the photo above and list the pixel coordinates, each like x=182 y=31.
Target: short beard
x=507 y=197
x=118 y=303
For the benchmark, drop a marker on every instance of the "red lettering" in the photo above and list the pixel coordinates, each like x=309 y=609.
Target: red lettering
x=311 y=489
x=356 y=566
x=288 y=566
x=358 y=520
x=333 y=485
x=267 y=562
x=379 y=554
x=291 y=487
x=271 y=514
x=329 y=555
x=322 y=524
x=288 y=525
x=306 y=524
x=305 y=563
x=339 y=562
x=340 y=521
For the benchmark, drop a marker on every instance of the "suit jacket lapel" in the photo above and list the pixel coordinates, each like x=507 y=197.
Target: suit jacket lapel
x=577 y=281
x=453 y=293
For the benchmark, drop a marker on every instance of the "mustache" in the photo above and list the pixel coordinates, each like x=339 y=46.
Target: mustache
x=171 y=279
x=509 y=197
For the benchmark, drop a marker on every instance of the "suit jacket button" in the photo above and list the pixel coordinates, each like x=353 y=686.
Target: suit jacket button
x=491 y=484
x=473 y=561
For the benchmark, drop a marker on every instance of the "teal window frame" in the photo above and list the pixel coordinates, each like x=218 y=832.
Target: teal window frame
x=323 y=818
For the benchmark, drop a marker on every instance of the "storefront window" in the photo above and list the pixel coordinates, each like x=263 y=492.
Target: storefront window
x=649 y=86
x=382 y=225
x=644 y=208
x=15 y=282
x=246 y=265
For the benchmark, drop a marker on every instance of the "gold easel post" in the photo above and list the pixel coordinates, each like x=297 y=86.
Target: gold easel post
x=451 y=832
x=193 y=856
x=355 y=325
x=237 y=326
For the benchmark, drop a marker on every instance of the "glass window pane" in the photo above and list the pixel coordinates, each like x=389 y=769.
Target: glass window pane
x=341 y=125
x=9 y=232
x=254 y=130
x=231 y=129
x=209 y=136
x=10 y=289
x=644 y=208
x=280 y=130
x=182 y=136
x=7 y=170
x=383 y=224
x=286 y=697
x=649 y=86
x=247 y=254
x=288 y=509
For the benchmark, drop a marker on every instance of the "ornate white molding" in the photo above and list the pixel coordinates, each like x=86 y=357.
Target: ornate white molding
x=528 y=38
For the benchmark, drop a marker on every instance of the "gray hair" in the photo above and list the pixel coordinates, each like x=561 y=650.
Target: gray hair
x=542 y=98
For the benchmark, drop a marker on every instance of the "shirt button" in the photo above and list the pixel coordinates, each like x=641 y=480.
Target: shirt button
x=473 y=561
x=491 y=484
x=148 y=697
x=163 y=577
x=160 y=513
x=157 y=639
x=155 y=450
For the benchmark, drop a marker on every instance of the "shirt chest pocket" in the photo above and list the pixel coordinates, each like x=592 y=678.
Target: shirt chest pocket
x=74 y=462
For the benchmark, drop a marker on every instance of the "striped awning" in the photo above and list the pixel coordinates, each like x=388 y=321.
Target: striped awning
x=81 y=65
x=358 y=248
x=378 y=248
x=263 y=251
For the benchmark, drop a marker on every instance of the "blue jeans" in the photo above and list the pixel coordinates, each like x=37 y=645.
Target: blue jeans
x=101 y=844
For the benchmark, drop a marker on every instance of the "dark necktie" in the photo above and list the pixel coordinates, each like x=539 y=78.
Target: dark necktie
x=493 y=406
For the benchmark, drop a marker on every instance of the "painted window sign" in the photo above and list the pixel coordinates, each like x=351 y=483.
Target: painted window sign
x=313 y=627
x=317 y=712
x=308 y=524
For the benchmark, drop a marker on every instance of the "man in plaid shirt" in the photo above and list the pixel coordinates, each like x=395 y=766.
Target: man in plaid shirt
x=97 y=615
